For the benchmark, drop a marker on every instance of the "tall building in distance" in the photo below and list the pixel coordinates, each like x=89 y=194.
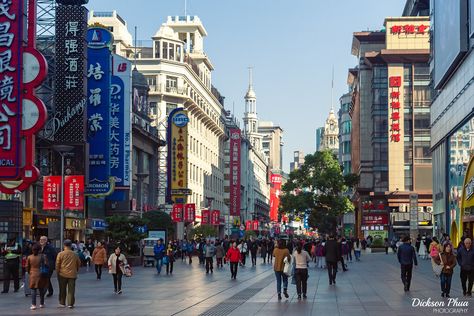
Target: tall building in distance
x=319 y=138
x=345 y=127
x=272 y=144
x=298 y=160
x=330 y=134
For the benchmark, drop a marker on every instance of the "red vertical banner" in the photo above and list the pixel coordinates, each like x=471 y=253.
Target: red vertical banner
x=11 y=35
x=205 y=217
x=74 y=193
x=234 y=164
x=275 y=196
x=52 y=193
x=177 y=212
x=255 y=224
x=189 y=212
x=215 y=217
x=248 y=225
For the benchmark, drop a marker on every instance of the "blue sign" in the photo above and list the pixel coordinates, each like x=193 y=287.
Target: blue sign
x=99 y=224
x=99 y=132
x=180 y=120
x=99 y=38
x=306 y=221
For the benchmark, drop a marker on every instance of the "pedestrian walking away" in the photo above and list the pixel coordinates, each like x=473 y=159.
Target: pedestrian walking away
x=117 y=262
x=406 y=257
x=170 y=258
x=219 y=254
x=263 y=250
x=253 y=252
x=270 y=248
x=67 y=267
x=159 y=251
x=209 y=252
x=302 y=258
x=465 y=258
x=357 y=249
x=12 y=253
x=447 y=259
x=50 y=253
x=99 y=258
x=333 y=254
x=233 y=256
x=38 y=271
x=280 y=254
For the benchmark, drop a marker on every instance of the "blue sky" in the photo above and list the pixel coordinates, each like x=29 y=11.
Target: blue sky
x=292 y=45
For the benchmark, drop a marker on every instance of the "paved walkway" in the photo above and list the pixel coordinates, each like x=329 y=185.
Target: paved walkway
x=370 y=287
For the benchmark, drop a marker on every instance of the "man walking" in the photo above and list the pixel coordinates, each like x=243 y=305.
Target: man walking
x=406 y=257
x=465 y=258
x=12 y=252
x=159 y=252
x=50 y=253
x=333 y=255
x=209 y=252
x=67 y=267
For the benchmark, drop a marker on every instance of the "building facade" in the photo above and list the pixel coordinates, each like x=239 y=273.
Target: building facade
x=298 y=160
x=345 y=127
x=330 y=134
x=319 y=138
x=272 y=144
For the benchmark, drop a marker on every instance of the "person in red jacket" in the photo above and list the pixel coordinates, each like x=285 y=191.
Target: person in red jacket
x=233 y=256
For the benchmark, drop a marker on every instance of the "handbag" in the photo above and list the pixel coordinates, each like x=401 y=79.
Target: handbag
x=438 y=268
x=44 y=268
x=165 y=260
x=128 y=270
x=287 y=268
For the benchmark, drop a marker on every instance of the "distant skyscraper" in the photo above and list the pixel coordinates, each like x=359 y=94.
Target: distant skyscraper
x=298 y=160
x=319 y=138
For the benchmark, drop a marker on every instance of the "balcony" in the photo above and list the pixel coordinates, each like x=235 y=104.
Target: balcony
x=163 y=89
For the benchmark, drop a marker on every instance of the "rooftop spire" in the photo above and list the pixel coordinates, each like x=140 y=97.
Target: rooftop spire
x=332 y=90
x=250 y=92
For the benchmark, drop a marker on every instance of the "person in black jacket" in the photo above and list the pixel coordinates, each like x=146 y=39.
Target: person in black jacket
x=406 y=256
x=51 y=254
x=465 y=258
x=333 y=255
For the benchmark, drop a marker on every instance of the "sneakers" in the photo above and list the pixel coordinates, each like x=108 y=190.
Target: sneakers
x=70 y=306
x=33 y=307
x=304 y=296
x=119 y=292
x=41 y=306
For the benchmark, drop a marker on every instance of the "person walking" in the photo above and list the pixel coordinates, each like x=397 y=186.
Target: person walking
x=50 y=253
x=465 y=258
x=448 y=260
x=253 y=252
x=11 y=267
x=209 y=252
x=219 y=254
x=190 y=251
x=243 y=252
x=263 y=250
x=357 y=249
x=301 y=258
x=280 y=254
x=386 y=245
x=406 y=257
x=423 y=251
x=99 y=258
x=233 y=256
x=333 y=255
x=38 y=281
x=320 y=255
x=67 y=267
x=159 y=252
x=270 y=248
x=117 y=262
x=171 y=259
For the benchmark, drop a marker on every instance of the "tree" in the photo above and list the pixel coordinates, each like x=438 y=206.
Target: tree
x=204 y=231
x=317 y=187
x=159 y=220
x=123 y=231
x=250 y=233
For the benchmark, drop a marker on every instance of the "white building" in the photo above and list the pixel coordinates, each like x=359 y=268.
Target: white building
x=331 y=133
x=272 y=144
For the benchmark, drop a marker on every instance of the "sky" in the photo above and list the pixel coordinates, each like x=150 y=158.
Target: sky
x=292 y=46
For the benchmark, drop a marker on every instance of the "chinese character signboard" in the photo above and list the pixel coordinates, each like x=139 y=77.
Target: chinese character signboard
x=275 y=196
x=52 y=193
x=177 y=137
x=74 y=193
x=189 y=213
x=375 y=219
x=215 y=217
x=177 y=212
x=68 y=123
x=395 y=83
x=248 y=225
x=255 y=224
x=234 y=165
x=403 y=33
x=409 y=29
x=205 y=217
x=100 y=134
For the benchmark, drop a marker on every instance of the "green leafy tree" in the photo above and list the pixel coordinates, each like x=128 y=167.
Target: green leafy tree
x=250 y=233
x=159 y=220
x=204 y=231
x=123 y=231
x=318 y=187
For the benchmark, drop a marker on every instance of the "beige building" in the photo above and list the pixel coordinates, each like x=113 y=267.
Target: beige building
x=330 y=137
x=272 y=144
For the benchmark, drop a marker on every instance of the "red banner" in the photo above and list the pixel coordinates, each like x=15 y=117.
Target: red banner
x=248 y=225
x=177 y=213
x=189 y=212
x=235 y=138
x=205 y=217
x=74 y=193
x=52 y=193
x=275 y=196
x=254 y=225
x=215 y=217
x=11 y=67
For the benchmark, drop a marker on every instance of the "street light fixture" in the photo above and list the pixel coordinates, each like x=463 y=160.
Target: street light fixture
x=62 y=150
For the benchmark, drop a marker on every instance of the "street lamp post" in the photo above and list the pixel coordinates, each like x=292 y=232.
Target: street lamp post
x=141 y=177
x=62 y=150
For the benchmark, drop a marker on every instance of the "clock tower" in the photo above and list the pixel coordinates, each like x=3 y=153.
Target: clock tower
x=331 y=132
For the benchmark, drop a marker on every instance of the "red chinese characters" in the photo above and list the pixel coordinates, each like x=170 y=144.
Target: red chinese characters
x=74 y=193
x=52 y=193
x=189 y=213
x=395 y=83
x=408 y=29
x=205 y=217
x=255 y=224
x=248 y=225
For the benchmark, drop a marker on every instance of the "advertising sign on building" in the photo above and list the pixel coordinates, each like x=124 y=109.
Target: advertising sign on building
x=215 y=217
x=74 y=193
x=100 y=134
x=248 y=225
x=275 y=191
x=375 y=219
x=177 y=137
x=234 y=165
x=255 y=224
x=205 y=217
x=51 y=192
x=177 y=212
x=189 y=213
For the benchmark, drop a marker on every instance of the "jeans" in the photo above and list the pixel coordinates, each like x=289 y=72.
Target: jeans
x=67 y=289
x=301 y=281
x=42 y=292
x=11 y=271
x=117 y=281
x=279 y=276
x=406 y=270
x=159 y=263
x=98 y=270
x=349 y=256
x=469 y=277
x=169 y=267
x=254 y=259
x=445 y=282
x=270 y=256
x=332 y=270
x=219 y=262
x=233 y=269
x=357 y=254
x=209 y=264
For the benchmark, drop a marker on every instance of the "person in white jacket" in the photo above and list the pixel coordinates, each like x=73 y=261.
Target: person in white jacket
x=117 y=262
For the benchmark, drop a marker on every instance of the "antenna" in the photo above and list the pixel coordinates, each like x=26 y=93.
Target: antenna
x=332 y=89
x=250 y=77
x=185 y=7
x=135 y=54
x=233 y=108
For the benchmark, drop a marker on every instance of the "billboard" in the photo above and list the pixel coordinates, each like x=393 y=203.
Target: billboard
x=177 y=212
x=74 y=193
x=275 y=191
x=177 y=135
x=189 y=213
x=100 y=134
x=234 y=165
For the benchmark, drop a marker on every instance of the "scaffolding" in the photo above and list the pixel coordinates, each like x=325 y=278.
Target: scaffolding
x=162 y=165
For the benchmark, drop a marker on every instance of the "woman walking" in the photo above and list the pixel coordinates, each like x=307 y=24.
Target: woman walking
x=270 y=248
x=302 y=258
x=233 y=256
x=219 y=254
x=99 y=258
x=263 y=250
x=280 y=254
x=170 y=260
x=357 y=248
x=38 y=281
x=448 y=260
x=117 y=261
x=386 y=244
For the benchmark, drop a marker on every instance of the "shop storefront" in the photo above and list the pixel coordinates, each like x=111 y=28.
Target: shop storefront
x=75 y=229
x=42 y=224
x=375 y=223
x=467 y=204
x=96 y=228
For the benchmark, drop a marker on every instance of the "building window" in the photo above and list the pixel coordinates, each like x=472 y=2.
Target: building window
x=170 y=107
x=153 y=108
x=171 y=51
x=171 y=82
x=151 y=80
x=165 y=50
x=157 y=49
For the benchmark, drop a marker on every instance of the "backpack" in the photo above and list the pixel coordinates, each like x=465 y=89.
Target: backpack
x=434 y=251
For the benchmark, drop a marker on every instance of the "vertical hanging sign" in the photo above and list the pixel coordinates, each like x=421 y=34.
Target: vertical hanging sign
x=235 y=148
x=74 y=193
x=395 y=82
x=52 y=193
